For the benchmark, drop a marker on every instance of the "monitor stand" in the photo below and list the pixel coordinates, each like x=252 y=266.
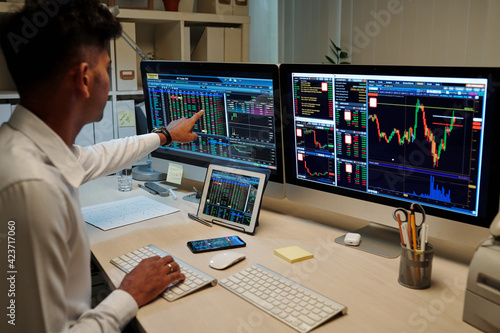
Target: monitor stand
x=145 y=172
x=377 y=239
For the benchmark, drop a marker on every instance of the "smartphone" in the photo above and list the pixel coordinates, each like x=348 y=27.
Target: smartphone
x=214 y=244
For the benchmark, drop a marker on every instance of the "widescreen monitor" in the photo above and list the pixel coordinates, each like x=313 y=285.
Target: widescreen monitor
x=241 y=125
x=362 y=140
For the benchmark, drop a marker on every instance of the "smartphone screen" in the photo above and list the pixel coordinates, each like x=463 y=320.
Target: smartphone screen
x=213 y=244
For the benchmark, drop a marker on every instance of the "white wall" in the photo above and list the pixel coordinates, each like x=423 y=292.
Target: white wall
x=306 y=26
x=422 y=32
x=413 y=32
x=263 y=31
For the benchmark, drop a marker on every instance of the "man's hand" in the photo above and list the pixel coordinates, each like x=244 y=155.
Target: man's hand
x=181 y=129
x=150 y=278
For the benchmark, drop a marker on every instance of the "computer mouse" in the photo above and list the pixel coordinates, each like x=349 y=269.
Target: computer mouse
x=225 y=259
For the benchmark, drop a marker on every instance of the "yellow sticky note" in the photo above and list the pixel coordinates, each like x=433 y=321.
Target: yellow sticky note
x=293 y=254
x=126 y=118
x=174 y=174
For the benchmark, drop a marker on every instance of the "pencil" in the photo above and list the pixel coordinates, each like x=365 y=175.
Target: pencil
x=413 y=230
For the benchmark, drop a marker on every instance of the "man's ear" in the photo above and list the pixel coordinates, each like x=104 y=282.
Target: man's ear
x=82 y=78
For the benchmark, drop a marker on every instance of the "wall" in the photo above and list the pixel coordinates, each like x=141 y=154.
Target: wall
x=416 y=32
x=263 y=31
x=423 y=32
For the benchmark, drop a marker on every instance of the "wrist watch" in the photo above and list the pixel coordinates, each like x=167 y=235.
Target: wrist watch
x=164 y=131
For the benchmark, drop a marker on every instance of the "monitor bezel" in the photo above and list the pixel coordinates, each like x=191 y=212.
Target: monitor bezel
x=491 y=162
x=251 y=70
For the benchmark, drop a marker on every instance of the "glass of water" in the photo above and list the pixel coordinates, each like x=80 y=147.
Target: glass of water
x=125 y=180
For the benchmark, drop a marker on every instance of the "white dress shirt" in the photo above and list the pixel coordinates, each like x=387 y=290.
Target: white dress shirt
x=45 y=254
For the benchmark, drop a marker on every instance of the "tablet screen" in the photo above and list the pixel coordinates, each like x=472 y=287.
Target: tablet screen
x=232 y=196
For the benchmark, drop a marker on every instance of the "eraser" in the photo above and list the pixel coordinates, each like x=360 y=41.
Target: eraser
x=293 y=254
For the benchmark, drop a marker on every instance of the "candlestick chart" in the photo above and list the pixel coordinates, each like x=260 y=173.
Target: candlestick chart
x=318 y=138
x=316 y=167
x=429 y=133
x=424 y=136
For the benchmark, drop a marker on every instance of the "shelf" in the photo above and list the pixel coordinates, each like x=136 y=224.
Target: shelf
x=10 y=7
x=127 y=92
x=158 y=16
x=9 y=94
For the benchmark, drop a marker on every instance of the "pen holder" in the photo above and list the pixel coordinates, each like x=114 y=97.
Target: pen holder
x=415 y=267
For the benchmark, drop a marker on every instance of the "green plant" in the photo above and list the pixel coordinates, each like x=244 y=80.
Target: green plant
x=338 y=54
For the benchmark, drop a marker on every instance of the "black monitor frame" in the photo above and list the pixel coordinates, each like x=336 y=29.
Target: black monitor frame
x=491 y=160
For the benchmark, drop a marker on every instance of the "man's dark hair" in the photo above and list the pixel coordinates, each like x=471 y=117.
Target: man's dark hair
x=44 y=38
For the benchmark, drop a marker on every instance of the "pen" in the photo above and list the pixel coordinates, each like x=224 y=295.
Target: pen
x=401 y=231
x=424 y=235
x=172 y=194
x=147 y=189
x=404 y=228
x=197 y=219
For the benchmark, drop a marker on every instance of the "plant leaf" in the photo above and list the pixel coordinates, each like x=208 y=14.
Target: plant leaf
x=330 y=60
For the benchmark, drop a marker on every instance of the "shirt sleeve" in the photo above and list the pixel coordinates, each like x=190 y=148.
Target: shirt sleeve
x=111 y=156
x=116 y=311
x=50 y=254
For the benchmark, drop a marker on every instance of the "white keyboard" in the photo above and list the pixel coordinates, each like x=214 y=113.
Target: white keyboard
x=286 y=300
x=195 y=279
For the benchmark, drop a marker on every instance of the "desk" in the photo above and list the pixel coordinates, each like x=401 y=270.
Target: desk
x=365 y=283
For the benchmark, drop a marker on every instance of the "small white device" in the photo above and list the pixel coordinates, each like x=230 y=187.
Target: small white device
x=225 y=259
x=482 y=295
x=352 y=238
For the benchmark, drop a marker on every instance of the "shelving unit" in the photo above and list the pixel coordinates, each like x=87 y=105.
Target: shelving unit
x=172 y=34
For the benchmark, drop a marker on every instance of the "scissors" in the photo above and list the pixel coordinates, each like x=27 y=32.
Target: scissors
x=409 y=223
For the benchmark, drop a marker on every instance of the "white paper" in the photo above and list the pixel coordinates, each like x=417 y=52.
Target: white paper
x=116 y=214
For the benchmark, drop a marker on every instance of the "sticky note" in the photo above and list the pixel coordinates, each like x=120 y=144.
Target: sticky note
x=126 y=118
x=293 y=254
x=174 y=174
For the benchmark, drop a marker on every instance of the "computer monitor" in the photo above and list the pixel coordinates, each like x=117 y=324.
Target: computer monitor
x=362 y=140
x=241 y=125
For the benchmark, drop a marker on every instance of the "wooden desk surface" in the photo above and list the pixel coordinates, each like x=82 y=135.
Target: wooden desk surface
x=365 y=283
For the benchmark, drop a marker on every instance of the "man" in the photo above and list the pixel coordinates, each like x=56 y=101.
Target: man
x=56 y=54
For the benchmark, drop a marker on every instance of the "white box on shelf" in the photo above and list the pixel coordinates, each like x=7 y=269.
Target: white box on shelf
x=220 y=7
x=126 y=65
x=232 y=44
x=187 y=44
x=210 y=47
x=186 y=6
x=240 y=7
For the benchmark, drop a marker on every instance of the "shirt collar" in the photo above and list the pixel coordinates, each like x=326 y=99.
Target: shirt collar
x=50 y=143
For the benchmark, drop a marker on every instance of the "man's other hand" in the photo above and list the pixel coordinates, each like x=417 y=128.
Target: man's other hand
x=150 y=278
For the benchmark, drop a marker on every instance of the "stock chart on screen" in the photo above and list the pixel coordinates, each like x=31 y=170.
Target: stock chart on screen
x=414 y=138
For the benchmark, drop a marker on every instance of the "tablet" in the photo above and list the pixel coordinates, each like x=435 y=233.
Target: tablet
x=232 y=196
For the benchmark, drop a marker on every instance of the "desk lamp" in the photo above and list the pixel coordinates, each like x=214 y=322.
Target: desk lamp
x=144 y=172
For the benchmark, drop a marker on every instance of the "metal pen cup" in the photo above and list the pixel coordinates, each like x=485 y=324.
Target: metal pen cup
x=415 y=267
